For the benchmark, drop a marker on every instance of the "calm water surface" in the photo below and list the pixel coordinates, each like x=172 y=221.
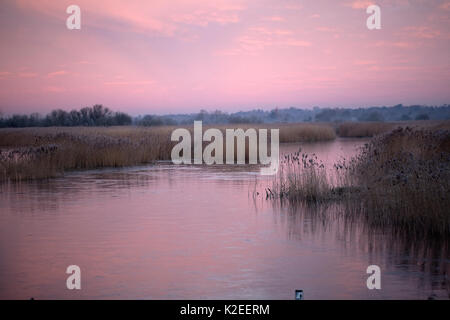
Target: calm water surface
x=196 y=232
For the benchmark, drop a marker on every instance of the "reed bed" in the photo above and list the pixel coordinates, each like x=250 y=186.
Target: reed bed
x=307 y=132
x=35 y=153
x=301 y=177
x=399 y=180
x=364 y=129
x=405 y=179
x=291 y=132
x=371 y=129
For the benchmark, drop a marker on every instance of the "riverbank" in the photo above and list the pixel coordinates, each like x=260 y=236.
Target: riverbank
x=37 y=153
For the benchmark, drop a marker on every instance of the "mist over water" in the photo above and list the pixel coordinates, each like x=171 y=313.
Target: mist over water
x=200 y=232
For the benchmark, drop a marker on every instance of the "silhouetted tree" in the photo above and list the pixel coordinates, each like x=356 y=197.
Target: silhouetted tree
x=422 y=116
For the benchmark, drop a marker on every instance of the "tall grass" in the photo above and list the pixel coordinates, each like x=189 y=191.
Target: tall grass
x=291 y=132
x=33 y=153
x=405 y=178
x=399 y=180
x=371 y=129
x=301 y=177
x=364 y=129
x=307 y=132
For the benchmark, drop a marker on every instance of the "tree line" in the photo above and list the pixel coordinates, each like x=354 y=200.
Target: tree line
x=96 y=115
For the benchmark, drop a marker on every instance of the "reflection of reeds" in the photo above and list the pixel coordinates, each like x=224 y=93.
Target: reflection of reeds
x=399 y=180
x=425 y=257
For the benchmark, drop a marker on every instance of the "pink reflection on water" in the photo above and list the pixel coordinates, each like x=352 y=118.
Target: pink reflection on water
x=167 y=232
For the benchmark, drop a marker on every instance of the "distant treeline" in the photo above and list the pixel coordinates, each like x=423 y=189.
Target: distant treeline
x=101 y=116
x=316 y=114
x=89 y=116
x=292 y=115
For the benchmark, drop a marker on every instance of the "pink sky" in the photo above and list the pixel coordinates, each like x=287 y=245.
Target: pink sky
x=183 y=55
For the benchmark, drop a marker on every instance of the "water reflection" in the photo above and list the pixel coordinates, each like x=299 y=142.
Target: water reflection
x=199 y=232
x=425 y=261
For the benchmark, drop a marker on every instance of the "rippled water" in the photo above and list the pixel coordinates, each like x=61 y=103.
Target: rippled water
x=198 y=232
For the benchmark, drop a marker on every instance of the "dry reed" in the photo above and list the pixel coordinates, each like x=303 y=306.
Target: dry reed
x=399 y=180
x=34 y=153
x=371 y=129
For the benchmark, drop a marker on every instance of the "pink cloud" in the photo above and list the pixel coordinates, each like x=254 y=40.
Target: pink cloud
x=220 y=13
x=422 y=32
x=258 y=38
x=395 y=44
x=54 y=89
x=293 y=6
x=129 y=83
x=359 y=4
x=27 y=74
x=57 y=73
x=294 y=43
x=364 y=62
x=203 y=18
x=322 y=68
x=106 y=16
x=4 y=74
x=326 y=29
x=445 y=6
x=274 y=19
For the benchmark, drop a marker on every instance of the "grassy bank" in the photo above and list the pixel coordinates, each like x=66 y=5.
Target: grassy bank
x=34 y=153
x=400 y=179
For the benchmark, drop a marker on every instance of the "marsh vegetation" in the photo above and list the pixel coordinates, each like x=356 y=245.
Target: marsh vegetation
x=34 y=153
x=400 y=180
x=305 y=236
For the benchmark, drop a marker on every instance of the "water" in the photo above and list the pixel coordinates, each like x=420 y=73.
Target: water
x=197 y=232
